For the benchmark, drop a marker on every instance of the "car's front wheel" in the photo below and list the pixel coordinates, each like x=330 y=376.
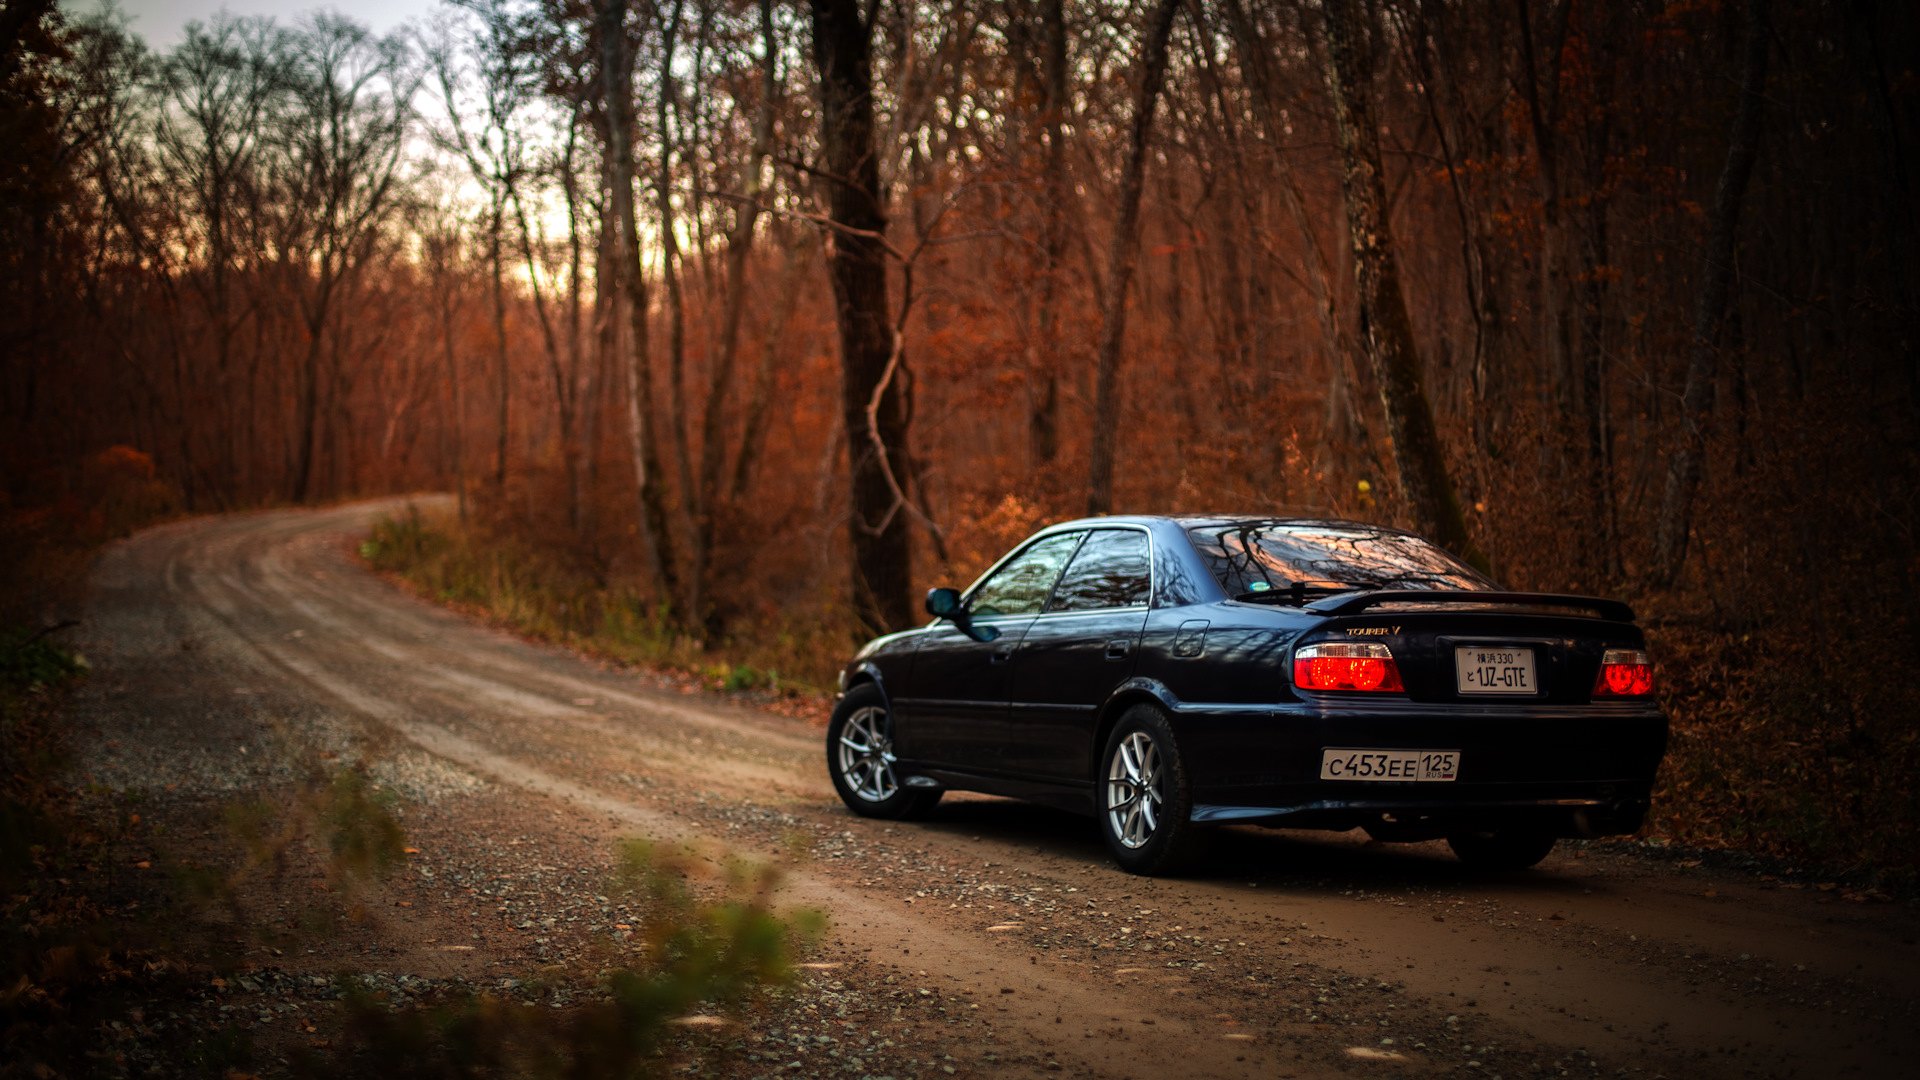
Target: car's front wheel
x=1501 y=849
x=861 y=760
x=1146 y=796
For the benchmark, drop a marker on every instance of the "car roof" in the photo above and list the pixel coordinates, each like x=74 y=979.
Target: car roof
x=1209 y=521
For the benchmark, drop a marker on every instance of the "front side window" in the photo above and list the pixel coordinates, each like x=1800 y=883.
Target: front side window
x=1249 y=556
x=1109 y=571
x=1021 y=586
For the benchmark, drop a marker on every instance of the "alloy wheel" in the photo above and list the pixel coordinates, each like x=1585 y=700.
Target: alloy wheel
x=866 y=755
x=1134 y=791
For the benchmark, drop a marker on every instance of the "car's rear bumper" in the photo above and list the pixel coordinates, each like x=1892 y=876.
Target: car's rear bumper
x=1572 y=771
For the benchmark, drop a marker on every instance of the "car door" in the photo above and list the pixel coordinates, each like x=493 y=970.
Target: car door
x=1075 y=653
x=956 y=714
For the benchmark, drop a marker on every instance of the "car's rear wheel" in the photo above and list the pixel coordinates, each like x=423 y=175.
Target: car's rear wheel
x=861 y=760
x=1146 y=796
x=1501 y=849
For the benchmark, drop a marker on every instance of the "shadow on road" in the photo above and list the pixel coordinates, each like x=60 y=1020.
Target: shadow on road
x=1301 y=861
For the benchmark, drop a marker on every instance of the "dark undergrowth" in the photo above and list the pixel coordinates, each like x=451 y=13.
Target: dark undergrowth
x=79 y=958
x=1794 y=746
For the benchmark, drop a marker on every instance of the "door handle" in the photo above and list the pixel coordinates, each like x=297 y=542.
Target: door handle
x=1117 y=650
x=1001 y=655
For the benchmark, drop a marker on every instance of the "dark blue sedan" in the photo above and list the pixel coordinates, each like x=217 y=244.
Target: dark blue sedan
x=1165 y=674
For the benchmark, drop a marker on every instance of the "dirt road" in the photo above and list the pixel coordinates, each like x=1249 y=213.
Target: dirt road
x=995 y=939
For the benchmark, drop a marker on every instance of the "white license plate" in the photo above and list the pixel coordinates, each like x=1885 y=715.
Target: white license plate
x=1482 y=670
x=1348 y=763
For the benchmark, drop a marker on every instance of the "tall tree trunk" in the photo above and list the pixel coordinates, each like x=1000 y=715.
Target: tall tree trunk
x=616 y=68
x=1044 y=355
x=733 y=304
x=307 y=420
x=1346 y=426
x=496 y=256
x=575 y=384
x=856 y=264
x=1417 y=451
x=753 y=425
x=1544 y=117
x=666 y=111
x=1123 y=256
x=457 y=423
x=1487 y=370
x=549 y=340
x=1592 y=357
x=1696 y=400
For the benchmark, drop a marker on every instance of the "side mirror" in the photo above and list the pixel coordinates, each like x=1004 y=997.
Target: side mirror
x=945 y=604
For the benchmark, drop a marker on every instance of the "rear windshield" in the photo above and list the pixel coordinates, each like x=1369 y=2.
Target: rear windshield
x=1250 y=556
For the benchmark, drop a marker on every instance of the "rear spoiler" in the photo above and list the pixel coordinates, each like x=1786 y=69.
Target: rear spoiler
x=1352 y=603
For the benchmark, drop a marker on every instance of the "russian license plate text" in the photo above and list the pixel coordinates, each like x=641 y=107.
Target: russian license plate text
x=1348 y=763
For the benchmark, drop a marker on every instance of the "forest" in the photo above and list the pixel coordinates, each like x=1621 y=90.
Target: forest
x=736 y=324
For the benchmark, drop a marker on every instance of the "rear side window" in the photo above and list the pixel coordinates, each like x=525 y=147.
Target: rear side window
x=1110 y=571
x=1249 y=556
x=1021 y=586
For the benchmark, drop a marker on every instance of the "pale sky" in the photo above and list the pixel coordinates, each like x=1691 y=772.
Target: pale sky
x=161 y=22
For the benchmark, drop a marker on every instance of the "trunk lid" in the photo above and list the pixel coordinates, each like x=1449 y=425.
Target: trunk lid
x=1491 y=649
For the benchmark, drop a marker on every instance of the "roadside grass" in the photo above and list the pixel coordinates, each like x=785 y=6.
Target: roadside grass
x=547 y=595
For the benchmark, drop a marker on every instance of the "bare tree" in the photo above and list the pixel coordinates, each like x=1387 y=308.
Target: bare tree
x=1541 y=91
x=504 y=74
x=1123 y=255
x=616 y=67
x=1696 y=399
x=443 y=248
x=1417 y=453
x=856 y=264
x=666 y=110
x=740 y=240
x=1044 y=353
x=1345 y=426
x=220 y=87
x=343 y=133
x=773 y=346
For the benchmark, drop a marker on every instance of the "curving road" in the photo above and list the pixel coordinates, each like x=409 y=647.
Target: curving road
x=219 y=639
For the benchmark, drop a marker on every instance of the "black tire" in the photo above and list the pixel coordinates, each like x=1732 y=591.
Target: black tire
x=1159 y=837
x=861 y=763
x=1502 y=849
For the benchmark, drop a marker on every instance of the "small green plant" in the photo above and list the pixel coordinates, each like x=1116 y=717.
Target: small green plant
x=692 y=954
x=401 y=542
x=746 y=677
x=31 y=661
x=344 y=820
x=363 y=837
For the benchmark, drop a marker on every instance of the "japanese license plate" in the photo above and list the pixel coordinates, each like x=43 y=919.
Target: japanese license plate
x=1481 y=670
x=1348 y=763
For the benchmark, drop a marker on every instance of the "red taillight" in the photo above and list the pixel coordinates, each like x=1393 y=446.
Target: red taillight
x=1346 y=667
x=1624 y=673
